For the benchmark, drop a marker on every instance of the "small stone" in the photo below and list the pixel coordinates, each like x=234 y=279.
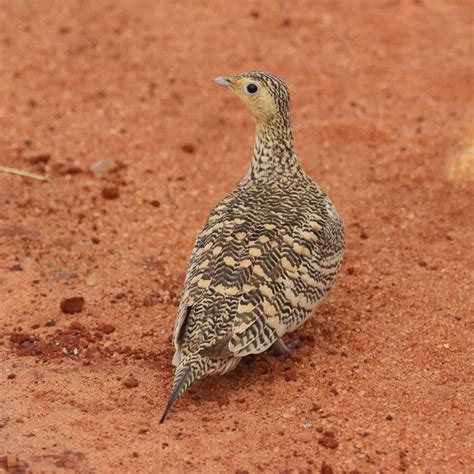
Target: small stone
x=155 y=203
x=326 y=468
x=106 y=328
x=328 y=442
x=72 y=305
x=110 y=192
x=39 y=159
x=11 y=376
x=135 y=454
x=130 y=382
x=389 y=417
x=70 y=170
x=50 y=323
x=19 y=337
x=291 y=375
x=16 y=268
x=189 y=148
x=460 y=160
x=105 y=165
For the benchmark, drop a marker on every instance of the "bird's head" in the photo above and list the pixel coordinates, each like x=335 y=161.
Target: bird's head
x=266 y=95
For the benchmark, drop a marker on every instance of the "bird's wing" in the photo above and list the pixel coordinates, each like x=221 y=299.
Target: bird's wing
x=260 y=274
x=204 y=262
x=285 y=282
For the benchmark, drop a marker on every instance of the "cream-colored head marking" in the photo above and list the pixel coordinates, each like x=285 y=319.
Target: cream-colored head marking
x=265 y=94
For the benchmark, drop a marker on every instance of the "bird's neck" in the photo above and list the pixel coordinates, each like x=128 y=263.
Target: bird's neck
x=273 y=151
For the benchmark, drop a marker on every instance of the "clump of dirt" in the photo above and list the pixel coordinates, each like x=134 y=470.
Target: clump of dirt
x=74 y=340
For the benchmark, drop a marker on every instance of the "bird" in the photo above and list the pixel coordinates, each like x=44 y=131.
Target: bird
x=266 y=257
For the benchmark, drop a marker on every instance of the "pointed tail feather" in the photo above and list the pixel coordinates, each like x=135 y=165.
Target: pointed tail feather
x=185 y=376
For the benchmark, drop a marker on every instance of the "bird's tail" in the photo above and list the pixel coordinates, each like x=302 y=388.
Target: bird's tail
x=186 y=374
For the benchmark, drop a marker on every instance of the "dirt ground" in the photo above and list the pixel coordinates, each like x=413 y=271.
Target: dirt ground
x=113 y=101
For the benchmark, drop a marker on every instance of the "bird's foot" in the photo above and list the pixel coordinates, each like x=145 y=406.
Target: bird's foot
x=293 y=345
x=279 y=347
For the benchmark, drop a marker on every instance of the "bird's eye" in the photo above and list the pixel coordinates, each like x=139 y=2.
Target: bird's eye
x=251 y=88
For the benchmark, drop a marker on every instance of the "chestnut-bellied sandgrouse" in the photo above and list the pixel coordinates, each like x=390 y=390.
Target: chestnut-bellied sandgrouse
x=267 y=255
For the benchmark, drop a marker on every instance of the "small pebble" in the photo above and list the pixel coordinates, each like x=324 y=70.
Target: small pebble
x=106 y=328
x=91 y=281
x=19 y=337
x=72 y=305
x=39 y=159
x=16 y=268
x=328 y=442
x=110 y=192
x=291 y=375
x=130 y=382
x=188 y=148
x=326 y=468
x=103 y=166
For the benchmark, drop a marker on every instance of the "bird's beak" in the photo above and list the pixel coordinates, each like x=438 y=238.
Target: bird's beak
x=225 y=81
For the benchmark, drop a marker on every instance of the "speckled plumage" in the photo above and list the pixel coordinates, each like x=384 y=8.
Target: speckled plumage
x=267 y=255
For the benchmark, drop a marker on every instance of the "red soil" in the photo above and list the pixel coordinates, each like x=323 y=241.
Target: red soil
x=381 y=90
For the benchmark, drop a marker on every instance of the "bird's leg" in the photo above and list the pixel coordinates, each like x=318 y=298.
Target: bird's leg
x=279 y=347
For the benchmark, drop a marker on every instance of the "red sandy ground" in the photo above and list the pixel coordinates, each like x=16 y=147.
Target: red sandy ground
x=381 y=91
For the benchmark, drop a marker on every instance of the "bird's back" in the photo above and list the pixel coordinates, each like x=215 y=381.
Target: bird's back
x=267 y=255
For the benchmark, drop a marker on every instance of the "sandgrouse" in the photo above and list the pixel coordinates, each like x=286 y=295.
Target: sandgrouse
x=267 y=255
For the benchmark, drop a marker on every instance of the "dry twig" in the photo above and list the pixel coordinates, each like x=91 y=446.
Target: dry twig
x=26 y=174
